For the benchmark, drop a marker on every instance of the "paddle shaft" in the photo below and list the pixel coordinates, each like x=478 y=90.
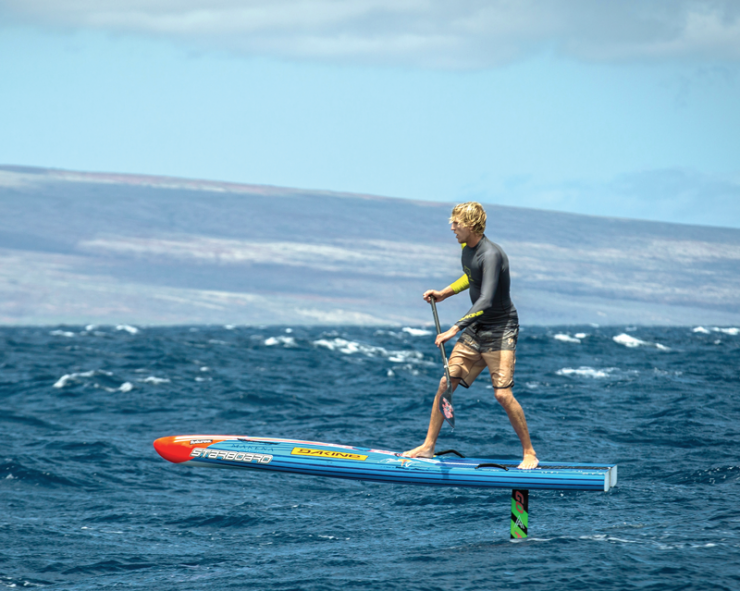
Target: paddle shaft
x=441 y=345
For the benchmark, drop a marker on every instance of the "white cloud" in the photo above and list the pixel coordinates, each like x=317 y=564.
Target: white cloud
x=426 y=33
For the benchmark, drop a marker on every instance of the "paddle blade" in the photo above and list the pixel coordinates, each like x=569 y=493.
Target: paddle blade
x=446 y=408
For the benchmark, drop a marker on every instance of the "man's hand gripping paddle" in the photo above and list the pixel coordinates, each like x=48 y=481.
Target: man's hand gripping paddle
x=445 y=401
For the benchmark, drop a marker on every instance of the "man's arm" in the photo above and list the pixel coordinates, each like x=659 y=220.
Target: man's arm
x=452 y=289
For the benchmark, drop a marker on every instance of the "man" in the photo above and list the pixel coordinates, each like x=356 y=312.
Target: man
x=489 y=330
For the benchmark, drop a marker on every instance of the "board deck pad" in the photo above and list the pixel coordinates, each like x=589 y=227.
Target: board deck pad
x=376 y=465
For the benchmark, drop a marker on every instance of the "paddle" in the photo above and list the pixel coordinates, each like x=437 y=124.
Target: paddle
x=445 y=401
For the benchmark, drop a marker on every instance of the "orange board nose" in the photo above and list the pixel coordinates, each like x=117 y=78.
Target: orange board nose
x=177 y=448
x=172 y=450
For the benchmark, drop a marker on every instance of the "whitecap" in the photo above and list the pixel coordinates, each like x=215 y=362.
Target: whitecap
x=285 y=341
x=730 y=331
x=566 y=338
x=70 y=377
x=126 y=387
x=630 y=341
x=586 y=372
x=155 y=380
x=353 y=347
x=580 y=335
x=128 y=328
x=405 y=356
x=701 y=330
x=416 y=332
x=61 y=382
x=61 y=333
x=349 y=347
x=229 y=326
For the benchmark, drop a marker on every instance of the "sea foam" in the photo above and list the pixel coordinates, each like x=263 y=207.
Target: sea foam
x=586 y=372
x=416 y=332
x=155 y=380
x=565 y=338
x=730 y=331
x=128 y=328
x=352 y=347
x=630 y=341
x=62 y=333
x=73 y=377
x=285 y=341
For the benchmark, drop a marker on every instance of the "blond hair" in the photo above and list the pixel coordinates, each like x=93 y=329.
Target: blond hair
x=471 y=215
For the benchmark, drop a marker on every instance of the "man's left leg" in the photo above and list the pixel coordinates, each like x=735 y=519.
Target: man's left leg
x=501 y=365
x=513 y=409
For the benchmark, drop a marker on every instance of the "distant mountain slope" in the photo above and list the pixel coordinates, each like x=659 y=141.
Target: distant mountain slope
x=103 y=248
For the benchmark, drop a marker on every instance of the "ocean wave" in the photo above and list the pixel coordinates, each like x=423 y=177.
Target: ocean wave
x=14 y=470
x=155 y=380
x=416 y=332
x=566 y=338
x=587 y=372
x=285 y=341
x=729 y=331
x=128 y=328
x=62 y=333
x=350 y=347
x=632 y=342
x=219 y=521
x=353 y=347
x=82 y=377
x=68 y=378
x=710 y=476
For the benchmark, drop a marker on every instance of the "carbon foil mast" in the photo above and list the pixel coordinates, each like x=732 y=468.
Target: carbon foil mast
x=445 y=401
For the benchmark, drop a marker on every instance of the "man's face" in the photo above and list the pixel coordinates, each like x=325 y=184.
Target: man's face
x=462 y=233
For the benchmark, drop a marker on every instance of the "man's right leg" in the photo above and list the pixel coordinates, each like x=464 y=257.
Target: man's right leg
x=465 y=364
x=426 y=449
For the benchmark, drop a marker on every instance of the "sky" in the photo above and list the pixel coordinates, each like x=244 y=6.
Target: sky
x=626 y=108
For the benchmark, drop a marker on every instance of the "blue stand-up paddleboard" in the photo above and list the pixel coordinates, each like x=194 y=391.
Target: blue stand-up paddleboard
x=375 y=465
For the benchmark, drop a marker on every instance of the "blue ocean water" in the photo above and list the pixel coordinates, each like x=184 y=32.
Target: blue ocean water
x=86 y=503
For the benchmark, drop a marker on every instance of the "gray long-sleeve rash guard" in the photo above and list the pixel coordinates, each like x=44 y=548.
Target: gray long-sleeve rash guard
x=487 y=270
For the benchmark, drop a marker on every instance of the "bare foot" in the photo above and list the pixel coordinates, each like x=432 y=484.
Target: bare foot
x=423 y=451
x=528 y=462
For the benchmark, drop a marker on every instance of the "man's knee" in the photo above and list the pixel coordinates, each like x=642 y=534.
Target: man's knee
x=504 y=396
x=443 y=382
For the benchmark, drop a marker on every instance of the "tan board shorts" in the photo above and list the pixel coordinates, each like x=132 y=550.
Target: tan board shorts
x=477 y=349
